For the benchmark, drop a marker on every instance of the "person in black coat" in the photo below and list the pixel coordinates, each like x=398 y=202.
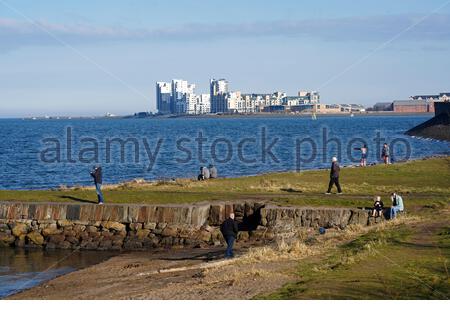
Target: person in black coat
x=96 y=173
x=334 y=176
x=229 y=229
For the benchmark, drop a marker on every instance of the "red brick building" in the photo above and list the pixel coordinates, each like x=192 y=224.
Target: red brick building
x=413 y=106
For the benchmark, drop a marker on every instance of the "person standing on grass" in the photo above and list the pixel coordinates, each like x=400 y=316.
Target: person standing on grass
x=397 y=205
x=385 y=153
x=334 y=176
x=364 y=151
x=96 y=173
x=229 y=229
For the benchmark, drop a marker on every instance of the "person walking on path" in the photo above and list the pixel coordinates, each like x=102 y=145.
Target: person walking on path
x=364 y=151
x=229 y=229
x=96 y=173
x=397 y=205
x=385 y=153
x=334 y=176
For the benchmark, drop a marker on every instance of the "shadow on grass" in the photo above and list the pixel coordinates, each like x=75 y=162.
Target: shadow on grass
x=78 y=199
x=290 y=190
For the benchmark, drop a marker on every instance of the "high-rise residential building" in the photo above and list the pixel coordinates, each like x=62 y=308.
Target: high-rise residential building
x=164 y=97
x=182 y=96
x=219 y=95
x=203 y=104
x=234 y=102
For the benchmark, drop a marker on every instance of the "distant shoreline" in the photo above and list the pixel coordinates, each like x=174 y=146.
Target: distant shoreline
x=226 y=116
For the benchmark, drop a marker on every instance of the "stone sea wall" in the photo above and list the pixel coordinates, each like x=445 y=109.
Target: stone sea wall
x=138 y=227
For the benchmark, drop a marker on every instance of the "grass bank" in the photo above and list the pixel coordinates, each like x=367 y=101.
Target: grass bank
x=421 y=182
x=406 y=260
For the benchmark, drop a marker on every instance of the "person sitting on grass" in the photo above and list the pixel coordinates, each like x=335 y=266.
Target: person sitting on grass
x=397 y=205
x=213 y=171
x=378 y=207
x=204 y=174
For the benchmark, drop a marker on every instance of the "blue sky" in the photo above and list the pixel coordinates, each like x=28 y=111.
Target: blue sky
x=93 y=57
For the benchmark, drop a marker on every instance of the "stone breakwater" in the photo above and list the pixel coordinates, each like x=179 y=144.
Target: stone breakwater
x=135 y=227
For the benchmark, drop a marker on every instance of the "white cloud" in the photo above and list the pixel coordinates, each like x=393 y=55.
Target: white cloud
x=15 y=33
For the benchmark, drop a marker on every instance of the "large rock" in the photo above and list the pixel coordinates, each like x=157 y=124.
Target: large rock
x=142 y=234
x=170 y=231
x=57 y=238
x=6 y=239
x=116 y=226
x=19 y=229
x=51 y=230
x=36 y=238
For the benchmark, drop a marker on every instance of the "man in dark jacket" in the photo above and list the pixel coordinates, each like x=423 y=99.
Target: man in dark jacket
x=334 y=176
x=96 y=173
x=229 y=229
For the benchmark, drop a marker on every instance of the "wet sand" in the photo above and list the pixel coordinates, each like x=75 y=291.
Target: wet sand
x=174 y=274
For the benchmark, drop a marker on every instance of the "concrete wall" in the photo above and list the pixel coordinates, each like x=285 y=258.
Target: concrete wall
x=117 y=226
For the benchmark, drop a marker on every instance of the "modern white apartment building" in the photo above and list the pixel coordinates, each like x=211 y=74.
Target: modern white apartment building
x=309 y=97
x=203 y=104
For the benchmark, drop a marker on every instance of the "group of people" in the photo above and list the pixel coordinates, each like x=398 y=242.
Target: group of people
x=385 y=154
x=396 y=207
x=378 y=207
x=229 y=227
x=206 y=173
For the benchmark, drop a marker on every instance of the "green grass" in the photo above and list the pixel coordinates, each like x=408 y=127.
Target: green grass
x=406 y=261
x=421 y=182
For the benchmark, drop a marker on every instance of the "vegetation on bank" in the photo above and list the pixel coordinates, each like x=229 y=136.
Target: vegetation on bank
x=421 y=182
x=407 y=259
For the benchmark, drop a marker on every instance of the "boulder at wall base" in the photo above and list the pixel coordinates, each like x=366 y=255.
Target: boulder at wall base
x=36 y=238
x=56 y=238
x=170 y=231
x=51 y=231
x=19 y=229
x=6 y=239
x=142 y=234
x=116 y=226
x=204 y=236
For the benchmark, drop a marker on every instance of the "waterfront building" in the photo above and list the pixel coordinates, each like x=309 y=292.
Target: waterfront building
x=294 y=101
x=203 y=104
x=164 y=97
x=443 y=96
x=309 y=97
x=382 y=106
x=219 y=95
x=413 y=106
x=182 y=96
